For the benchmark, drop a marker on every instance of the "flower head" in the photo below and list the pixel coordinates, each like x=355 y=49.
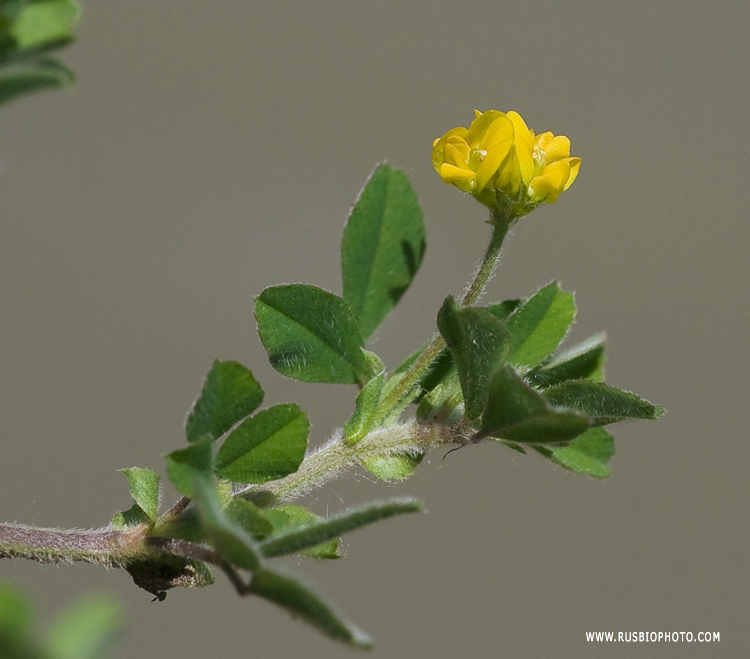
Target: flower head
x=504 y=165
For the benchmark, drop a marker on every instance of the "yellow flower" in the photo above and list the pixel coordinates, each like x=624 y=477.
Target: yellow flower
x=504 y=165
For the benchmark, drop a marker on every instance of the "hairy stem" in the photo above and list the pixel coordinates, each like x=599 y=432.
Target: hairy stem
x=337 y=456
x=108 y=547
x=475 y=289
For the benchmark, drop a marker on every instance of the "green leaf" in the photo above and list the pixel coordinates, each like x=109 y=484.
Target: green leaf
x=382 y=246
x=185 y=465
x=333 y=527
x=586 y=454
x=48 y=21
x=502 y=310
x=265 y=447
x=87 y=630
x=392 y=467
x=441 y=368
x=230 y=540
x=144 y=488
x=251 y=518
x=519 y=413
x=365 y=411
x=603 y=403
x=539 y=324
x=133 y=516
x=310 y=334
x=405 y=399
x=230 y=393
x=38 y=74
x=373 y=365
x=301 y=601
x=444 y=403
x=586 y=360
x=480 y=344
x=290 y=518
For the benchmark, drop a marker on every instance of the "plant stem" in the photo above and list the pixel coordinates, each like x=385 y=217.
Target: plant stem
x=337 y=455
x=108 y=547
x=500 y=226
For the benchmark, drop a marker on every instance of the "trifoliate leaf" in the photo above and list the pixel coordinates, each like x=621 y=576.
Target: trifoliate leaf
x=230 y=393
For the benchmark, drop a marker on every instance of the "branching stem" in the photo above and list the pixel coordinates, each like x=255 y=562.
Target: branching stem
x=120 y=548
x=337 y=456
x=473 y=292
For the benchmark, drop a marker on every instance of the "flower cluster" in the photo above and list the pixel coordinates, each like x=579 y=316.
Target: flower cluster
x=504 y=165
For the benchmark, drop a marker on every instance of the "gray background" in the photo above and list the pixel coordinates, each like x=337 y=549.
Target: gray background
x=212 y=149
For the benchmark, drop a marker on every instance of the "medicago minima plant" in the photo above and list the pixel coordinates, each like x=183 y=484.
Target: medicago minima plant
x=492 y=372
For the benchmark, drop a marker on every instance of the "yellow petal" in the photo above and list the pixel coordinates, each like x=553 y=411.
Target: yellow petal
x=460 y=144
x=461 y=178
x=455 y=156
x=480 y=125
x=551 y=183
x=557 y=149
x=438 y=147
x=523 y=134
x=496 y=144
x=509 y=176
x=575 y=165
x=541 y=141
x=524 y=141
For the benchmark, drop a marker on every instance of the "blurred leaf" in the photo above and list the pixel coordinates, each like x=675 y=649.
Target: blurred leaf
x=382 y=246
x=519 y=413
x=86 y=630
x=230 y=541
x=539 y=324
x=327 y=529
x=586 y=454
x=48 y=21
x=230 y=393
x=310 y=334
x=301 y=601
x=365 y=412
x=144 y=488
x=586 y=360
x=185 y=465
x=251 y=518
x=480 y=344
x=512 y=445
x=392 y=467
x=15 y=625
x=38 y=74
x=289 y=518
x=603 y=403
x=265 y=447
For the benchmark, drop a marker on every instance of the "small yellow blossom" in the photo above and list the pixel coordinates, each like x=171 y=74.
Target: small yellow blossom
x=504 y=165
